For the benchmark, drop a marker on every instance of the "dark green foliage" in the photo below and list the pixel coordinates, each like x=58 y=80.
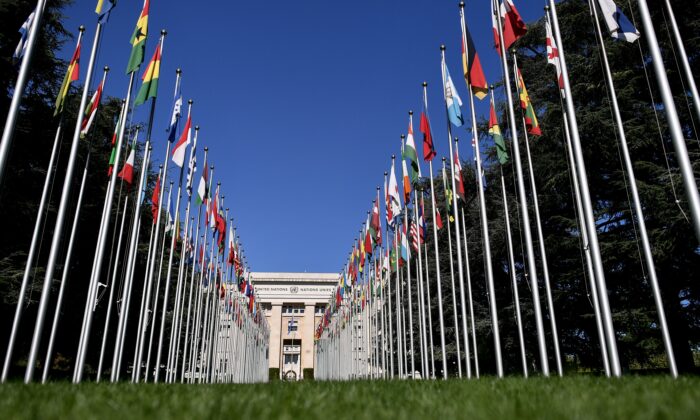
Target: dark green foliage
x=308 y=374
x=274 y=374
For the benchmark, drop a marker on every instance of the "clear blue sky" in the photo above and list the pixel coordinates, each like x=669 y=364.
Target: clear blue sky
x=301 y=103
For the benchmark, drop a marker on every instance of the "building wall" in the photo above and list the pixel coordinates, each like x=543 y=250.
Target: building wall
x=275 y=291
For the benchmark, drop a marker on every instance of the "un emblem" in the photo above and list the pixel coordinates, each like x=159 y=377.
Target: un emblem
x=294 y=289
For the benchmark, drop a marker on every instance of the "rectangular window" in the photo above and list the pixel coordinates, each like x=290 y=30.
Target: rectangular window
x=292 y=308
x=320 y=308
x=291 y=359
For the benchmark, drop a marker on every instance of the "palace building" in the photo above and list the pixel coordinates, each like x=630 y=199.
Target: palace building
x=294 y=304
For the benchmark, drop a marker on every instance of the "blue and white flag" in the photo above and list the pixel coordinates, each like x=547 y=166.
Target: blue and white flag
x=618 y=25
x=24 y=31
x=175 y=118
x=452 y=99
x=192 y=166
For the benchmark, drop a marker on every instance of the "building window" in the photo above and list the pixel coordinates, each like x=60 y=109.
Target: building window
x=292 y=325
x=292 y=308
x=266 y=306
x=320 y=308
x=291 y=359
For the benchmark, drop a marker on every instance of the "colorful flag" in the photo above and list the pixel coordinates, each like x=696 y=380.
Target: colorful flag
x=494 y=27
x=404 y=244
x=138 y=40
x=553 y=56
x=495 y=132
x=428 y=146
x=452 y=100
x=457 y=173
x=410 y=154
x=72 y=74
x=191 y=167
x=103 y=8
x=127 y=172
x=177 y=109
x=406 y=181
x=91 y=111
x=533 y=127
x=155 y=199
x=618 y=25
x=394 y=196
x=181 y=146
x=438 y=219
x=471 y=63
x=203 y=189
x=24 y=32
x=448 y=196
x=113 y=154
x=231 y=258
x=149 y=87
x=387 y=203
x=375 y=227
x=513 y=25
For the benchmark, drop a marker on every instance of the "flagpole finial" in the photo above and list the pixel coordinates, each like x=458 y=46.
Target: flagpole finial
x=190 y=102
x=106 y=69
x=410 y=112
x=227 y=209
x=196 y=128
x=160 y=166
x=386 y=173
x=461 y=5
x=546 y=8
x=377 y=188
x=206 y=149
x=456 y=139
x=171 y=183
x=444 y=159
x=178 y=71
x=442 y=47
x=425 y=84
x=403 y=136
x=491 y=87
x=393 y=157
x=163 y=32
x=81 y=28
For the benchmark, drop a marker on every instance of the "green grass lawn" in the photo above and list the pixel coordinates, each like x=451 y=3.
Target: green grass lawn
x=513 y=398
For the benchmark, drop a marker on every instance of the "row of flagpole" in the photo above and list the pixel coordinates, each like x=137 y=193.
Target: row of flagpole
x=226 y=336
x=380 y=260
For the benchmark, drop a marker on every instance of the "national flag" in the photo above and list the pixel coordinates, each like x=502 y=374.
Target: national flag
x=394 y=196
x=177 y=109
x=410 y=154
x=414 y=237
x=72 y=74
x=91 y=111
x=553 y=55
x=533 y=127
x=170 y=225
x=127 y=172
x=203 y=189
x=149 y=87
x=24 y=32
x=495 y=132
x=452 y=100
x=448 y=195
x=457 y=174
x=387 y=203
x=494 y=28
x=428 y=146
x=191 y=167
x=406 y=181
x=138 y=40
x=404 y=245
x=213 y=208
x=513 y=25
x=155 y=199
x=471 y=64
x=103 y=8
x=438 y=219
x=113 y=154
x=375 y=226
x=181 y=146
x=231 y=256
x=618 y=25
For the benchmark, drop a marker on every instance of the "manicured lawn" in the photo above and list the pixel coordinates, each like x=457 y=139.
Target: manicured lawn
x=513 y=398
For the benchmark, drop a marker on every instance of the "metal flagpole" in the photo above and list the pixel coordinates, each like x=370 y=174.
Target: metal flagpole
x=524 y=211
x=585 y=193
x=469 y=293
x=420 y=292
x=408 y=288
x=65 y=195
x=460 y=269
x=19 y=309
x=9 y=130
x=452 y=284
x=646 y=246
x=64 y=276
x=388 y=284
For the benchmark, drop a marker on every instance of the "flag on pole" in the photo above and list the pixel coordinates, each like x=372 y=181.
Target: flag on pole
x=375 y=227
x=494 y=27
x=149 y=87
x=495 y=132
x=138 y=40
x=213 y=208
x=181 y=146
x=618 y=25
x=203 y=189
x=428 y=146
x=103 y=8
x=127 y=172
x=91 y=111
x=533 y=127
x=177 y=108
x=471 y=63
x=411 y=156
x=113 y=154
x=404 y=244
x=394 y=196
x=171 y=223
x=387 y=203
x=452 y=100
x=513 y=25
x=24 y=32
x=457 y=174
x=231 y=257
x=191 y=168
x=155 y=199
x=553 y=55
x=438 y=219
x=406 y=180
x=72 y=74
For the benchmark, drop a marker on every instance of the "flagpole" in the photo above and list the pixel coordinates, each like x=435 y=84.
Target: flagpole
x=646 y=246
x=460 y=269
x=388 y=283
x=22 y=78
x=589 y=217
x=419 y=290
x=524 y=211
x=65 y=194
x=452 y=283
x=64 y=276
x=469 y=294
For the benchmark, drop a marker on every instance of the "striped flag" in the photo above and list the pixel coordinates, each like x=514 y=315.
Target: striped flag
x=72 y=74
x=411 y=156
x=127 y=172
x=191 y=167
x=138 y=40
x=553 y=56
x=149 y=87
x=103 y=8
x=181 y=146
x=428 y=146
x=452 y=100
x=24 y=31
x=394 y=196
x=513 y=25
x=495 y=132
x=91 y=111
x=457 y=174
x=533 y=127
x=471 y=64
x=203 y=189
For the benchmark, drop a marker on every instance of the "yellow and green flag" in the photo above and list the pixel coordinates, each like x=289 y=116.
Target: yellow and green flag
x=533 y=126
x=138 y=40
x=72 y=75
x=149 y=88
x=495 y=131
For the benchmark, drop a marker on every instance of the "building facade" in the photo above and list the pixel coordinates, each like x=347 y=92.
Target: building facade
x=294 y=304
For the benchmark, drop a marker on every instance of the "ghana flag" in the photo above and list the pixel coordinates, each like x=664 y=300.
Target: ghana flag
x=495 y=131
x=533 y=127
x=149 y=88
x=138 y=40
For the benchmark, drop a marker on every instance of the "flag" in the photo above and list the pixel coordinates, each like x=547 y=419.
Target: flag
x=457 y=174
x=127 y=172
x=452 y=100
x=495 y=132
x=138 y=40
x=394 y=196
x=404 y=245
x=24 y=32
x=553 y=56
x=448 y=196
x=428 y=146
x=169 y=226
x=213 y=208
x=471 y=63
x=203 y=189
x=231 y=258
x=103 y=8
x=414 y=237
x=513 y=25
x=72 y=74
x=113 y=154
x=387 y=203
x=410 y=154
x=438 y=219
x=618 y=25
x=533 y=127
x=181 y=146
x=375 y=227
x=149 y=87
x=494 y=27
x=91 y=111
x=191 y=168
x=177 y=108
x=406 y=181
x=154 y=200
